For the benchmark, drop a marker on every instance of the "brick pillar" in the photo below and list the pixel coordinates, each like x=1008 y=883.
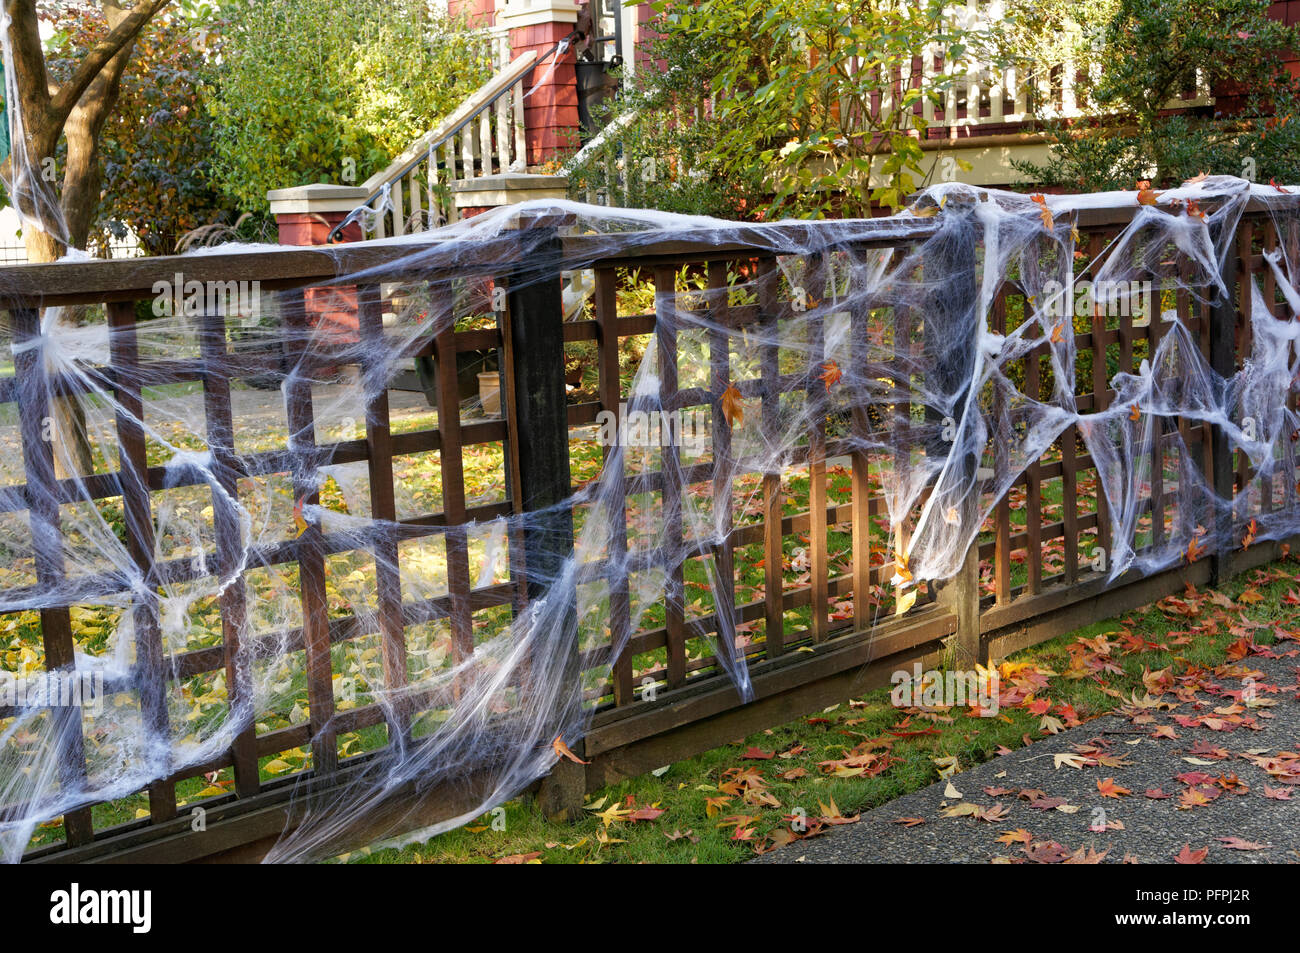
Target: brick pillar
x=551 y=111
x=305 y=216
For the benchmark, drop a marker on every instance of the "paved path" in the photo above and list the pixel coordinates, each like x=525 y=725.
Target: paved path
x=1058 y=805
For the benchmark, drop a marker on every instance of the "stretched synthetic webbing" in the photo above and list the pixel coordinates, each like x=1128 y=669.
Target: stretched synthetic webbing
x=876 y=337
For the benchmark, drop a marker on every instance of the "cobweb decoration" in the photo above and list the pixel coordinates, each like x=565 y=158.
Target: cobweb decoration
x=894 y=332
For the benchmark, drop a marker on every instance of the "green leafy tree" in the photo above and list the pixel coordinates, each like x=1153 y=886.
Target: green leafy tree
x=62 y=118
x=791 y=107
x=314 y=91
x=1149 y=53
x=155 y=145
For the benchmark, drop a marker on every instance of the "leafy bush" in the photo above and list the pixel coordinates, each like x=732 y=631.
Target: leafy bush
x=774 y=107
x=311 y=91
x=1150 y=52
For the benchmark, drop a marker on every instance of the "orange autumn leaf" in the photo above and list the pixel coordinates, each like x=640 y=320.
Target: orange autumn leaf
x=298 y=519
x=1146 y=195
x=1058 y=335
x=733 y=406
x=1189 y=856
x=562 y=751
x=1046 y=213
x=1195 y=210
x=1249 y=538
x=831 y=374
x=1278 y=187
x=1108 y=788
x=1196 y=178
x=1195 y=550
x=1134 y=414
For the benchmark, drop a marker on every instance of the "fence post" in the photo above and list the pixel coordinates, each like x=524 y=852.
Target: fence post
x=955 y=301
x=1223 y=360
x=537 y=418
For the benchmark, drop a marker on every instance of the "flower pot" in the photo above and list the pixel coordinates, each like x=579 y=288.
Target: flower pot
x=489 y=393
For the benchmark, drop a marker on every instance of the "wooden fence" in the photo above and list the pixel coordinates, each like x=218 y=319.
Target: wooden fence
x=820 y=644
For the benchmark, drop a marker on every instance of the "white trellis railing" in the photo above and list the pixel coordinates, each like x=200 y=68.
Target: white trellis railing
x=484 y=136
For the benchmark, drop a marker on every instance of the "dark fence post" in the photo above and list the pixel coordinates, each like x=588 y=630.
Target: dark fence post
x=1223 y=360
x=951 y=356
x=538 y=422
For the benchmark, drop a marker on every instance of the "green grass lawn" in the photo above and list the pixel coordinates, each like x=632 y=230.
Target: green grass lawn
x=724 y=805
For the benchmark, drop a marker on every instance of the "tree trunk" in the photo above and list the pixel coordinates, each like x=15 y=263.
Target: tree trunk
x=81 y=124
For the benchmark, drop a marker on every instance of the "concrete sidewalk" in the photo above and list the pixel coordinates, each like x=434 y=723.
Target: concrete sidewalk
x=1226 y=774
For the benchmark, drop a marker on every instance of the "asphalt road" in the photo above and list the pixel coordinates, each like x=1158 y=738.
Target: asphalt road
x=1154 y=830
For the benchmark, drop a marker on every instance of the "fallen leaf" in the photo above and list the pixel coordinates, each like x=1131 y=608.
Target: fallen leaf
x=1236 y=843
x=1109 y=788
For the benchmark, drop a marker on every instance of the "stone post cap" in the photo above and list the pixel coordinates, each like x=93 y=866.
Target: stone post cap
x=508 y=188
x=319 y=198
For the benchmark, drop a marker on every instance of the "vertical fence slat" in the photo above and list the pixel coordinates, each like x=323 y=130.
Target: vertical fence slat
x=138 y=510
x=451 y=459
x=34 y=407
x=1002 y=511
x=1033 y=475
x=773 y=554
x=724 y=553
x=860 y=422
x=816 y=395
x=228 y=530
x=1070 y=502
x=1100 y=392
x=611 y=394
x=1223 y=361
x=665 y=281
x=383 y=507
x=311 y=554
